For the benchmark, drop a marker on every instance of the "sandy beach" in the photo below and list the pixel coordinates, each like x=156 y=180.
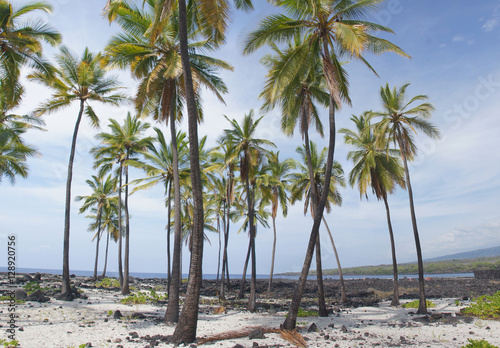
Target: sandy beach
x=98 y=319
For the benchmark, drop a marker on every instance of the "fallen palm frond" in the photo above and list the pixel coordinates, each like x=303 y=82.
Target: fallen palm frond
x=293 y=337
x=228 y=335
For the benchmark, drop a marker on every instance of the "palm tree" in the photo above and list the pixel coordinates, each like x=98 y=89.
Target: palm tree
x=399 y=121
x=13 y=154
x=332 y=29
x=277 y=179
x=109 y=223
x=83 y=80
x=21 y=43
x=122 y=145
x=101 y=198
x=376 y=168
x=248 y=149
x=302 y=188
x=156 y=61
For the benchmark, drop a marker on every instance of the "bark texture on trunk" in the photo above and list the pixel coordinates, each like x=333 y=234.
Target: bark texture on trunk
x=241 y=294
x=66 y=283
x=185 y=330
x=270 y=285
x=322 y=311
x=126 y=268
x=106 y=257
x=120 y=226
x=343 y=293
x=169 y=213
x=97 y=244
x=395 y=296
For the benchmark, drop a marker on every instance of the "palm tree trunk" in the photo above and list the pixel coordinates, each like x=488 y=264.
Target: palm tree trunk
x=66 y=284
x=343 y=294
x=222 y=295
x=97 y=244
x=395 y=297
x=172 y=312
x=252 y=299
x=291 y=318
x=106 y=257
x=322 y=311
x=120 y=227
x=220 y=247
x=241 y=293
x=422 y=307
x=126 y=268
x=270 y=285
x=185 y=331
x=169 y=212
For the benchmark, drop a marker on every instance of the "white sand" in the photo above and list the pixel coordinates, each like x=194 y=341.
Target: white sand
x=70 y=324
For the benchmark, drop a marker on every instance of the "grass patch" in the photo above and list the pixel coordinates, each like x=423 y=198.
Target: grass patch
x=485 y=307
x=31 y=287
x=9 y=344
x=108 y=283
x=414 y=304
x=478 y=344
x=304 y=313
x=143 y=297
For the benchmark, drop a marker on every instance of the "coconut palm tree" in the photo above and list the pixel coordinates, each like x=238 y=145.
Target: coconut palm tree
x=109 y=223
x=400 y=120
x=123 y=144
x=248 y=149
x=277 y=180
x=302 y=188
x=82 y=80
x=13 y=154
x=375 y=168
x=333 y=29
x=101 y=198
x=21 y=42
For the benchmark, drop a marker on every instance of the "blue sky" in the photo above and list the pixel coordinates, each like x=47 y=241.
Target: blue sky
x=456 y=180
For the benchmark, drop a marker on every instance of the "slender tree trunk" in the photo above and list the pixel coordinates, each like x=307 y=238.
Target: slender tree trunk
x=169 y=213
x=106 y=257
x=241 y=293
x=228 y=223
x=185 y=331
x=66 y=284
x=120 y=227
x=343 y=294
x=172 y=312
x=322 y=311
x=270 y=285
x=252 y=299
x=291 y=318
x=126 y=268
x=222 y=295
x=220 y=247
x=422 y=307
x=97 y=244
x=395 y=297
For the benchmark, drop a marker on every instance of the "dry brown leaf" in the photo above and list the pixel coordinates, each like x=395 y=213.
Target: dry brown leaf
x=220 y=310
x=294 y=337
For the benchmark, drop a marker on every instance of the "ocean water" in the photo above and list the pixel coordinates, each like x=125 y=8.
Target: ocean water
x=236 y=276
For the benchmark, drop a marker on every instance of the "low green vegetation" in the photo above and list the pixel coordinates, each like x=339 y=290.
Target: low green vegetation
x=485 y=307
x=305 y=313
x=414 y=304
x=478 y=344
x=108 y=283
x=9 y=344
x=31 y=287
x=143 y=297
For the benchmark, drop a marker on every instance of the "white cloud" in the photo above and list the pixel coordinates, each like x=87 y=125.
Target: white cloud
x=490 y=25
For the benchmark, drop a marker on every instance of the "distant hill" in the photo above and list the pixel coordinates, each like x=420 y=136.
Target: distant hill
x=474 y=254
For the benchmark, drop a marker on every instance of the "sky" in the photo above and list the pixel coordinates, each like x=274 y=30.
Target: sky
x=454 y=45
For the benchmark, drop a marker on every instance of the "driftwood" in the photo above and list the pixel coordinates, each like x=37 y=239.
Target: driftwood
x=291 y=336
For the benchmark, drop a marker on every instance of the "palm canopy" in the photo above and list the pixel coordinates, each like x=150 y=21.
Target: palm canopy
x=13 y=154
x=295 y=86
x=157 y=63
x=333 y=29
x=10 y=120
x=374 y=167
x=79 y=79
x=401 y=120
x=276 y=178
x=21 y=42
x=301 y=184
x=102 y=194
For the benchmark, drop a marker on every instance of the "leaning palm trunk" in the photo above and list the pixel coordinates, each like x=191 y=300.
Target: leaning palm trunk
x=422 y=307
x=172 y=312
x=126 y=268
x=270 y=285
x=395 y=297
x=105 y=258
x=241 y=294
x=291 y=318
x=66 y=284
x=97 y=244
x=343 y=294
x=185 y=330
x=322 y=311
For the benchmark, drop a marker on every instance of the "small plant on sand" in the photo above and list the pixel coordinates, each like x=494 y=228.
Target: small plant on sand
x=9 y=344
x=485 y=307
x=110 y=313
x=304 y=313
x=414 y=304
x=142 y=297
x=478 y=344
x=108 y=283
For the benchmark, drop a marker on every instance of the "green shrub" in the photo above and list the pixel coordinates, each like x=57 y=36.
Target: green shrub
x=485 y=307
x=303 y=313
x=109 y=283
x=142 y=297
x=9 y=344
x=414 y=304
x=478 y=344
